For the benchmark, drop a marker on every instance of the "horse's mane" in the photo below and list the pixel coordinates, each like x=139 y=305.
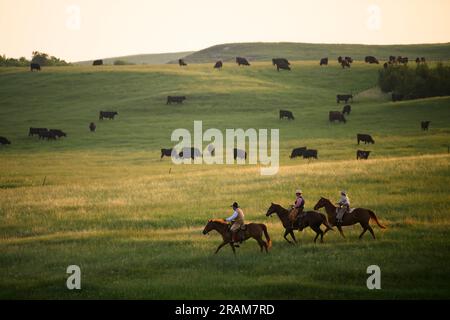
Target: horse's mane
x=222 y=221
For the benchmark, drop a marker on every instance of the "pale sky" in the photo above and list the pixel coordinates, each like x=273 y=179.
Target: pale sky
x=87 y=29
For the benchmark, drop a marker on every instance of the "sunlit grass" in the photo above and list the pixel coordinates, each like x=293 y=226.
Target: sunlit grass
x=133 y=222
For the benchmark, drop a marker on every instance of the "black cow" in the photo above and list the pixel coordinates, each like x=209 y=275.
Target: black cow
x=286 y=114
x=366 y=138
x=58 y=133
x=242 y=61
x=3 y=140
x=92 y=127
x=297 y=152
x=283 y=66
x=392 y=59
x=347 y=109
x=310 y=153
x=280 y=60
x=371 y=59
x=35 y=66
x=191 y=152
x=47 y=135
x=397 y=97
x=344 y=97
x=107 y=114
x=218 y=65
x=424 y=125
x=166 y=152
x=98 y=62
x=349 y=59
x=182 y=63
x=345 y=63
x=361 y=154
x=34 y=131
x=385 y=65
x=324 y=61
x=336 y=115
x=238 y=153
x=403 y=60
x=175 y=99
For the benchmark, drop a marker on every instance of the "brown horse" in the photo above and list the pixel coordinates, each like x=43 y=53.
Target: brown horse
x=252 y=230
x=310 y=219
x=358 y=215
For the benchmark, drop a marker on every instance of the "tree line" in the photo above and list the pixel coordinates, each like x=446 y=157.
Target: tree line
x=41 y=58
x=417 y=82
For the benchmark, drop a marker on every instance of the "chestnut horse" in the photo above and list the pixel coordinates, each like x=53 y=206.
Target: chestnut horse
x=358 y=215
x=310 y=219
x=252 y=230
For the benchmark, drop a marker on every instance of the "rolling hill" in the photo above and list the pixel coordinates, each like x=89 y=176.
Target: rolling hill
x=153 y=58
x=259 y=51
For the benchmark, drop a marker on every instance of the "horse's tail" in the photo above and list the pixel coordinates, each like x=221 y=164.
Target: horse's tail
x=374 y=218
x=266 y=234
x=326 y=223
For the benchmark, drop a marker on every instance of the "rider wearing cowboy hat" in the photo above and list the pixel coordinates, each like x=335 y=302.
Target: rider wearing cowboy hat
x=344 y=206
x=298 y=207
x=237 y=220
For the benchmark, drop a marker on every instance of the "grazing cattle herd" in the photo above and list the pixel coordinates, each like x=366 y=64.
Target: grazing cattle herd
x=107 y=114
x=35 y=66
x=286 y=114
x=280 y=63
x=366 y=138
x=175 y=99
x=336 y=116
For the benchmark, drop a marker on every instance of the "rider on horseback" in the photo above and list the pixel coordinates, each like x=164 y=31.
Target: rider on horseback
x=237 y=220
x=344 y=207
x=298 y=207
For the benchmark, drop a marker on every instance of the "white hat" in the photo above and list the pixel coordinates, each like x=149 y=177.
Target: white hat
x=298 y=191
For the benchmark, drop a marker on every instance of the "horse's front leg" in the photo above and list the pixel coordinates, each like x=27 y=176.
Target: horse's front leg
x=291 y=232
x=220 y=246
x=232 y=247
x=286 y=232
x=340 y=231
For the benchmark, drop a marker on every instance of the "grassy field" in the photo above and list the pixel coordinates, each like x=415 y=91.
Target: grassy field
x=110 y=205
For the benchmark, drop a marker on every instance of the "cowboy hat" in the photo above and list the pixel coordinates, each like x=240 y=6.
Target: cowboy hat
x=235 y=205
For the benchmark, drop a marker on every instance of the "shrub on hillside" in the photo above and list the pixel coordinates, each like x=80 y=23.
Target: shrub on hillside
x=416 y=82
x=121 y=63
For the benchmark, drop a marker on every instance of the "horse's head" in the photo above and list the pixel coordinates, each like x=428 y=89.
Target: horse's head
x=208 y=227
x=272 y=209
x=321 y=203
x=211 y=225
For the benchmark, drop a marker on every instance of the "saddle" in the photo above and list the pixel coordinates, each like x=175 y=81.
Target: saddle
x=348 y=211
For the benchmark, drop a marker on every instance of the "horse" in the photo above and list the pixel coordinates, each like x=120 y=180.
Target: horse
x=358 y=215
x=252 y=230
x=312 y=219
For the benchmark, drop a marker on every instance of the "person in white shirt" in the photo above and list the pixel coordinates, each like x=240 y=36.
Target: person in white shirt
x=237 y=220
x=344 y=206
